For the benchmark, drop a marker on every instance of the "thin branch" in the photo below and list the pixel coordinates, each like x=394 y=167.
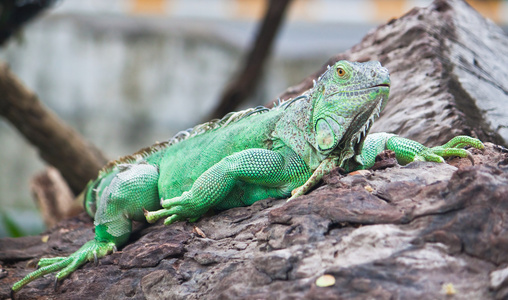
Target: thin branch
x=242 y=86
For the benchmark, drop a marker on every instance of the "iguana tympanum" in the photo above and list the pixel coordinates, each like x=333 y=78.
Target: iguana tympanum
x=245 y=157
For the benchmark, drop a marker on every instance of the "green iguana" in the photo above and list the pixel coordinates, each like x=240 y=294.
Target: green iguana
x=245 y=157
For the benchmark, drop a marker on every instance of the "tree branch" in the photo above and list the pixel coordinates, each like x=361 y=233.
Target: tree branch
x=242 y=86
x=59 y=145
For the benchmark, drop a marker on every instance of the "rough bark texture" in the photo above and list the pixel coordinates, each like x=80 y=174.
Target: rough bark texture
x=423 y=231
x=58 y=144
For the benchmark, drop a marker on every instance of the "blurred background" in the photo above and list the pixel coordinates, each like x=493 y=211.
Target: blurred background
x=127 y=73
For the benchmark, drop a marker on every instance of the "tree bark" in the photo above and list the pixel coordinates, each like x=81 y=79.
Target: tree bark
x=59 y=145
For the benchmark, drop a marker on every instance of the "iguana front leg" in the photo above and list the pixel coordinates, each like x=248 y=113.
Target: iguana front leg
x=407 y=150
x=133 y=188
x=267 y=174
x=325 y=167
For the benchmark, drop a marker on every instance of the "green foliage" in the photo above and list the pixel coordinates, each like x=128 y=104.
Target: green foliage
x=12 y=228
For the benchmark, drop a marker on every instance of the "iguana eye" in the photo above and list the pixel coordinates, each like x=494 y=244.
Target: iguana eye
x=341 y=72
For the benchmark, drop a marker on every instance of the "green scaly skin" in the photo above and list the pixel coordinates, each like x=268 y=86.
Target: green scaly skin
x=245 y=157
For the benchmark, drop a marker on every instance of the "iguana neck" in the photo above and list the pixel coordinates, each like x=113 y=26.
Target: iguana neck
x=294 y=130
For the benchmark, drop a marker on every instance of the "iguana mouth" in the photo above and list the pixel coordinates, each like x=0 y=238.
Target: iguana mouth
x=365 y=89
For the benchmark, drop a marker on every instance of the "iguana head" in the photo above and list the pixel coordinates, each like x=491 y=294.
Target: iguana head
x=345 y=100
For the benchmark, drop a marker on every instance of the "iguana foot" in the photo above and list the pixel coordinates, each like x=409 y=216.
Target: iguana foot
x=453 y=148
x=66 y=265
x=407 y=150
x=174 y=209
x=169 y=214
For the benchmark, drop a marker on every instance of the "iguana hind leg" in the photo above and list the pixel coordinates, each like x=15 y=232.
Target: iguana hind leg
x=268 y=174
x=133 y=188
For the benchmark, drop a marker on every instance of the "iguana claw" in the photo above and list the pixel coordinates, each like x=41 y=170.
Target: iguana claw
x=55 y=284
x=470 y=157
